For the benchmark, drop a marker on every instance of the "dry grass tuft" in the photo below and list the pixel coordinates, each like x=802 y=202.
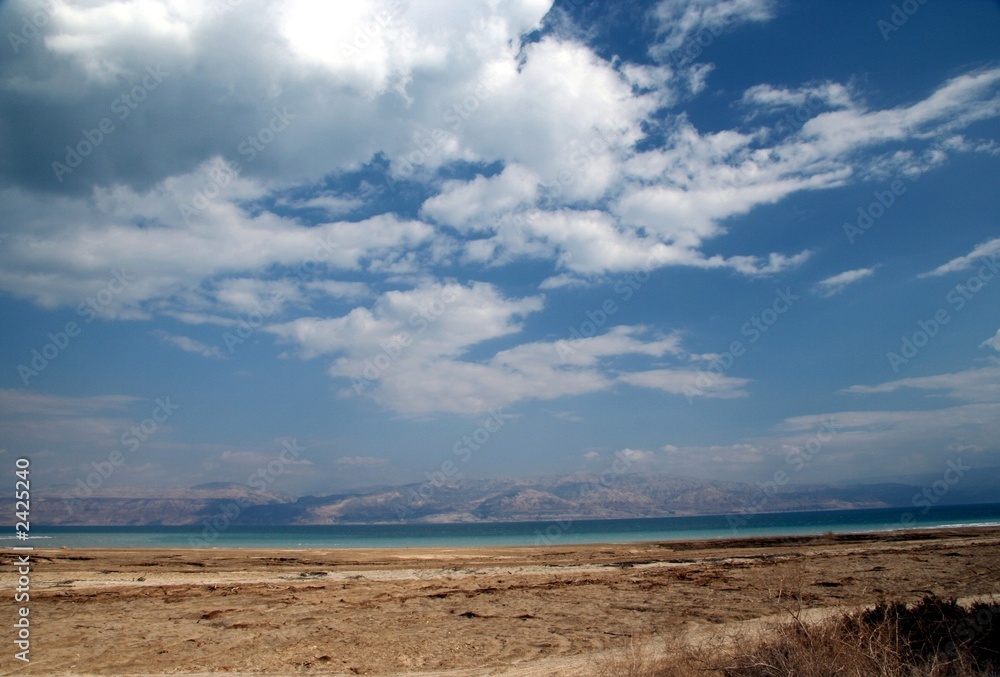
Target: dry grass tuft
x=933 y=638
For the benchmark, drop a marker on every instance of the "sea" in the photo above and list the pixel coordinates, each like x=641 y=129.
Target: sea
x=552 y=532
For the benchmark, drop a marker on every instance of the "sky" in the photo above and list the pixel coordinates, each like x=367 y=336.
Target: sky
x=733 y=239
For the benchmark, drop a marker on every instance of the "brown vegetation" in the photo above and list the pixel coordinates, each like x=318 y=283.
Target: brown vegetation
x=932 y=638
x=500 y=611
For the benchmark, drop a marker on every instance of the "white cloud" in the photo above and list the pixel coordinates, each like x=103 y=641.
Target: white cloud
x=828 y=94
x=430 y=85
x=431 y=320
x=959 y=102
x=979 y=384
x=64 y=423
x=33 y=403
x=246 y=295
x=584 y=242
x=837 y=283
x=886 y=434
x=682 y=21
x=66 y=249
x=411 y=352
x=475 y=205
x=188 y=344
x=688 y=382
x=339 y=290
x=843 y=445
x=333 y=205
x=718 y=453
x=260 y=459
x=993 y=343
x=990 y=248
x=361 y=461
x=572 y=144
x=636 y=455
x=562 y=281
x=964 y=145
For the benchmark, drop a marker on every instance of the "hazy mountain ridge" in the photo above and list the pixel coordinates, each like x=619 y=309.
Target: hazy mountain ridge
x=574 y=496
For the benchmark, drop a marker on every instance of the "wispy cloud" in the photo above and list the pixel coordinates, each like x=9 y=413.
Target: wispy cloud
x=837 y=283
x=990 y=248
x=361 y=461
x=993 y=343
x=979 y=384
x=189 y=345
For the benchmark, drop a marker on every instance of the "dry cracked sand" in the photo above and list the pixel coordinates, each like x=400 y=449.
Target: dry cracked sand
x=478 y=611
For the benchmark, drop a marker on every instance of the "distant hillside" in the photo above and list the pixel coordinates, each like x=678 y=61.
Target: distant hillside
x=546 y=498
x=138 y=506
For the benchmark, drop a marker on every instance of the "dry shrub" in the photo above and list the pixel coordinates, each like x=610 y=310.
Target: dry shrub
x=653 y=658
x=841 y=646
x=632 y=660
x=933 y=638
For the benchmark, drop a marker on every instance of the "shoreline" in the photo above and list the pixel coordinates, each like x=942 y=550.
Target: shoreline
x=462 y=611
x=537 y=533
x=867 y=534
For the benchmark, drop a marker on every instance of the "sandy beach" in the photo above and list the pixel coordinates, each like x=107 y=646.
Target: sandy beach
x=479 y=611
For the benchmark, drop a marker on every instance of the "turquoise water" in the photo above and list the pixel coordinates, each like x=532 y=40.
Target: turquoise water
x=512 y=533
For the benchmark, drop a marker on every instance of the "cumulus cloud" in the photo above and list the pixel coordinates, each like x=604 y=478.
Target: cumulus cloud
x=636 y=455
x=412 y=351
x=476 y=204
x=387 y=145
x=194 y=195
x=68 y=248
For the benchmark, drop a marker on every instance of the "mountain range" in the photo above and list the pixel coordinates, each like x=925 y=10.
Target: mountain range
x=578 y=496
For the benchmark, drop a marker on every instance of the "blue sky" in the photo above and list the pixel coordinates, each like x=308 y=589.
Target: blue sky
x=720 y=239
